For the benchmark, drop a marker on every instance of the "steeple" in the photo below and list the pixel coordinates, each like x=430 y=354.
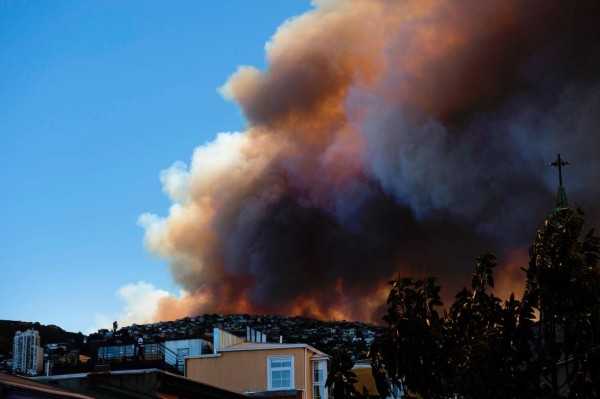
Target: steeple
x=561 y=200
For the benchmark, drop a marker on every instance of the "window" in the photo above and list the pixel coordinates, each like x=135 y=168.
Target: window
x=280 y=372
x=319 y=378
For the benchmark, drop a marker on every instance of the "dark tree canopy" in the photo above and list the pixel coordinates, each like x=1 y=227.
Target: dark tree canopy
x=563 y=285
x=546 y=345
x=341 y=378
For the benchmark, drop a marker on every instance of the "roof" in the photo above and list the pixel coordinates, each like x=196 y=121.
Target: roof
x=253 y=346
x=141 y=383
x=362 y=364
x=13 y=383
x=282 y=394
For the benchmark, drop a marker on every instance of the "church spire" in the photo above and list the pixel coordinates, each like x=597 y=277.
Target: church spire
x=561 y=200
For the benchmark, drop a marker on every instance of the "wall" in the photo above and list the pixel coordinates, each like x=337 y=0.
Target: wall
x=246 y=370
x=193 y=345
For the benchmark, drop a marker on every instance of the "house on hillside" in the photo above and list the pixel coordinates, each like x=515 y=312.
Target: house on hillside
x=260 y=369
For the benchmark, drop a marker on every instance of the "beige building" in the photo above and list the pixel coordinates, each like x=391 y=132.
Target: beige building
x=261 y=369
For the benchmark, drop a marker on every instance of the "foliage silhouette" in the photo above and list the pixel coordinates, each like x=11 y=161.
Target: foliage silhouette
x=341 y=378
x=545 y=345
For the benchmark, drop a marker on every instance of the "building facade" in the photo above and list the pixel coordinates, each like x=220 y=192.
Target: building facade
x=28 y=355
x=262 y=369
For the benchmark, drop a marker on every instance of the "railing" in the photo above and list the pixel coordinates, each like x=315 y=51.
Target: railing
x=153 y=353
x=172 y=358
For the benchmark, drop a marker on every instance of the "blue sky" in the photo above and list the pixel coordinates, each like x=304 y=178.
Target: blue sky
x=96 y=98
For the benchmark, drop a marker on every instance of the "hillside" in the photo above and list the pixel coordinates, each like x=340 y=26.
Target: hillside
x=328 y=336
x=48 y=333
x=352 y=337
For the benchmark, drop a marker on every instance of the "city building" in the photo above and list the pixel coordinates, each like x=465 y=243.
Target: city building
x=260 y=369
x=28 y=355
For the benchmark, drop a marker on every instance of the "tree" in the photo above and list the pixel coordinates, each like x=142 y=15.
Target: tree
x=563 y=285
x=488 y=341
x=341 y=378
x=410 y=354
x=485 y=347
x=478 y=348
x=115 y=326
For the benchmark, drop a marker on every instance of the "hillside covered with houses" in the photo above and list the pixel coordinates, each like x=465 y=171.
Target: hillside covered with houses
x=352 y=337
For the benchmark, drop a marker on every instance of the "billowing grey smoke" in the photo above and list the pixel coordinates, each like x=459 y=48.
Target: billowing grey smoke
x=385 y=137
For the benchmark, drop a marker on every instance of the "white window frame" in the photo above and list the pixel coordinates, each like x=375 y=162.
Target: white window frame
x=319 y=383
x=270 y=369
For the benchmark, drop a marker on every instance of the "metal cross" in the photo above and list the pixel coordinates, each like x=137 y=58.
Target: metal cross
x=559 y=163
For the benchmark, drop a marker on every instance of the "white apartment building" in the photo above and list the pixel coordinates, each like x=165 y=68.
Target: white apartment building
x=28 y=355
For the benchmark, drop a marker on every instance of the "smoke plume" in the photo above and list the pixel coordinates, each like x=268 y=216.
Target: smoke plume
x=385 y=138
